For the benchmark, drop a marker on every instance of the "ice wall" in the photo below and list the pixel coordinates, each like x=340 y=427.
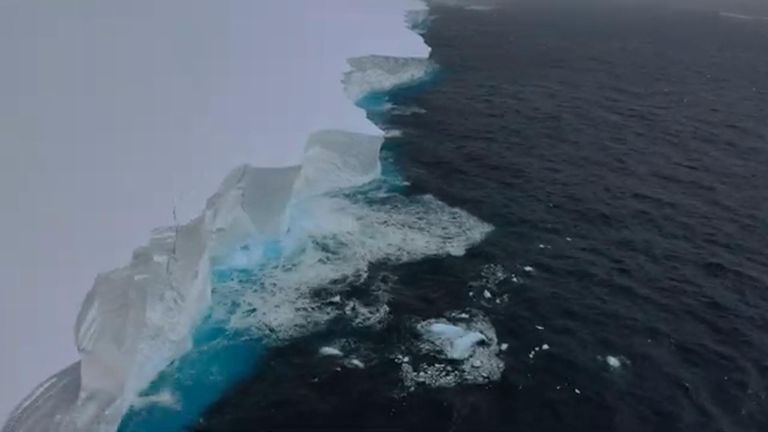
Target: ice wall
x=114 y=112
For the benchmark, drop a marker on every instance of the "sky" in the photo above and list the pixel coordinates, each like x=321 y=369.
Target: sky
x=113 y=113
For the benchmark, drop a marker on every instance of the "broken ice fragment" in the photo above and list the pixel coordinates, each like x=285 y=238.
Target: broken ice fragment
x=613 y=362
x=330 y=352
x=355 y=363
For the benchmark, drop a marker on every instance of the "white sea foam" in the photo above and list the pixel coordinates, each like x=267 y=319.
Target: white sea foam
x=332 y=240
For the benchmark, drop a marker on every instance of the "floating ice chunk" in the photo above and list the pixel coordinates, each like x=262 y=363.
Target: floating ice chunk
x=463 y=346
x=544 y=347
x=472 y=343
x=487 y=294
x=529 y=269
x=355 y=363
x=615 y=362
x=577 y=391
x=456 y=342
x=504 y=346
x=327 y=351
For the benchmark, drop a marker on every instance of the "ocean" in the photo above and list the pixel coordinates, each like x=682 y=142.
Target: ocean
x=619 y=151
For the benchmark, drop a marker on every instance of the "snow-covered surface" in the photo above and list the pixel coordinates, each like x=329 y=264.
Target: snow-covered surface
x=116 y=113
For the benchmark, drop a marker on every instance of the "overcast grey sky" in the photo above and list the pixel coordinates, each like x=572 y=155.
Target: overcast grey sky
x=113 y=111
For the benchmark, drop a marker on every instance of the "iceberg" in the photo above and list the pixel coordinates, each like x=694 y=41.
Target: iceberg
x=287 y=229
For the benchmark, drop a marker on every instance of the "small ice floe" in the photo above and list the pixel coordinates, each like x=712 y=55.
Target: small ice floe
x=538 y=327
x=504 y=346
x=139 y=277
x=615 y=362
x=487 y=294
x=468 y=347
x=544 y=246
x=361 y=315
x=335 y=299
x=327 y=351
x=355 y=363
x=160 y=259
x=577 y=391
x=529 y=269
x=536 y=350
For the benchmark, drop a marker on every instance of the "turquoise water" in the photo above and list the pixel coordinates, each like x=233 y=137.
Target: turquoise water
x=220 y=357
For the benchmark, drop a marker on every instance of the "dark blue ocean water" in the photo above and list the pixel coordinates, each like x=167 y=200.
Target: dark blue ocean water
x=621 y=152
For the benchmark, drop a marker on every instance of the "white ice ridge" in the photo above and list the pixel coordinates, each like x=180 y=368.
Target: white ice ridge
x=138 y=318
